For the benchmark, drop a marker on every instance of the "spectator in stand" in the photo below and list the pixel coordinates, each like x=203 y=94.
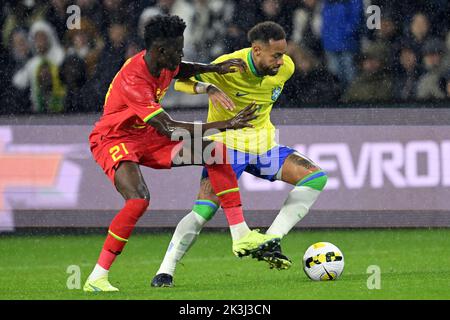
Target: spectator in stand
x=181 y=8
x=73 y=75
x=311 y=81
x=307 y=24
x=133 y=47
x=437 y=12
x=48 y=91
x=446 y=58
x=57 y=16
x=209 y=28
x=419 y=33
x=275 y=10
x=93 y=10
x=242 y=21
x=257 y=11
x=112 y=59
x=342 y=22
x=123 y=11
x=41 y=71
x=374 y=83
x=113 y=11
x=87 y=43
x=328 y=31
x=20 y=15
x=17 y=100
x=5 y=96
x=20 y=50
x=388 y=37
x=446 y=84
x=407 y=76
x=429 y=83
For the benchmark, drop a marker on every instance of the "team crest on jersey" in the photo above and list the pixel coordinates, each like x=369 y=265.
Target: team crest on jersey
x=276 y=93
x=160 y=94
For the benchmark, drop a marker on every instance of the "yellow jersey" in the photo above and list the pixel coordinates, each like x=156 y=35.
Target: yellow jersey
x=244 y=88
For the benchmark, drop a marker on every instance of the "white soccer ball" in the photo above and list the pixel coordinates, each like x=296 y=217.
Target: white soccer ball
x=323 y=261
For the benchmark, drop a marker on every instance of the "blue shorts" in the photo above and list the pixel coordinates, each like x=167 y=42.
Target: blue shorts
x=264 y=166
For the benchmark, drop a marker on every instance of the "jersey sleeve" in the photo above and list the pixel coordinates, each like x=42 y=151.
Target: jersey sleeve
x=140 y=98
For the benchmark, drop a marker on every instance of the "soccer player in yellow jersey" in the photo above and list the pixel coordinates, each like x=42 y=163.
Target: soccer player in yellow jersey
x=253 y=150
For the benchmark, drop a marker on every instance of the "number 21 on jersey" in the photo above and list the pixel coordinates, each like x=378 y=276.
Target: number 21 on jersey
x=117 y=152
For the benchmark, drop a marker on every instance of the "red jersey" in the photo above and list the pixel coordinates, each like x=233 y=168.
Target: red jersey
x=133 y=98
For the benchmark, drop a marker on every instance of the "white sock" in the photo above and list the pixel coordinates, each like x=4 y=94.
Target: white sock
x=98 y=272
x=183 y=238
x=296 y=206
x=239 y=230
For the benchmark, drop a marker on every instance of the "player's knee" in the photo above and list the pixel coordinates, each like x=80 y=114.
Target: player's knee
x=138 y=192
x=143 y=192
x=207 y=195
x=206 y=190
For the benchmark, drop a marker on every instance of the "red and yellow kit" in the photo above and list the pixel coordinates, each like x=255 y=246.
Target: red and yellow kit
x=122 y=133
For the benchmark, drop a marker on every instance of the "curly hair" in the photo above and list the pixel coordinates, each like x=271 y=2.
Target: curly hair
x=161 y=27
x=266 y=31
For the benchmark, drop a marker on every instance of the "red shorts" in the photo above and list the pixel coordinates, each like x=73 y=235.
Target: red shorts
x=147 y=148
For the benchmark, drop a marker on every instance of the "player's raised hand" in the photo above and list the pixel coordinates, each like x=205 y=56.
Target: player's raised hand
x=242 y=119
x=231 y=65
x=218 y=97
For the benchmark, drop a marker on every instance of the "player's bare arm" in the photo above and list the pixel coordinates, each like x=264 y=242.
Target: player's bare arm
x=167 y=126
x=215 y=94
x=190 y=69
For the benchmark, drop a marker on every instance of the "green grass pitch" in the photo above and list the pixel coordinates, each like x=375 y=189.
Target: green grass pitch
x=414 y=264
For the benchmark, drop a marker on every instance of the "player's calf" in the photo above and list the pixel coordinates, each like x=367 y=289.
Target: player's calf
x=130 y=183
x=309 y=181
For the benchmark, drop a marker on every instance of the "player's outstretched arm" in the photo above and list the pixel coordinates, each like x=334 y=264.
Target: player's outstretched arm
x=190 y=69
x=215 y=94
x=167 y=126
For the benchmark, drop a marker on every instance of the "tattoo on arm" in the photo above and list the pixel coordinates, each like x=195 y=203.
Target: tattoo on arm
x=303 y=162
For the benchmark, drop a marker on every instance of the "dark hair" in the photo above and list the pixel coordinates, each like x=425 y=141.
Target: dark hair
x=161 y=27
x=266 y=31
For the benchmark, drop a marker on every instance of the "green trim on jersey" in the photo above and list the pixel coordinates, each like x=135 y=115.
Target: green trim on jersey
x=251 y=64
x=153 y=114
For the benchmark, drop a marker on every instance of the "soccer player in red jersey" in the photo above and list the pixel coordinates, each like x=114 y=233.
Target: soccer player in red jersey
x=134 y=130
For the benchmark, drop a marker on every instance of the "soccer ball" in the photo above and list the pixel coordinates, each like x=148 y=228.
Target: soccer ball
x=323 y=261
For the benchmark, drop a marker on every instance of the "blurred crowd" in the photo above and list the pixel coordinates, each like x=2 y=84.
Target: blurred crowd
x=47 y=67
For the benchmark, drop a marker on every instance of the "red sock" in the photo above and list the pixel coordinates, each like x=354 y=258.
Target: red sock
x=120 y=230
x=106 y=259
x=234 y=215
x=225 y=185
